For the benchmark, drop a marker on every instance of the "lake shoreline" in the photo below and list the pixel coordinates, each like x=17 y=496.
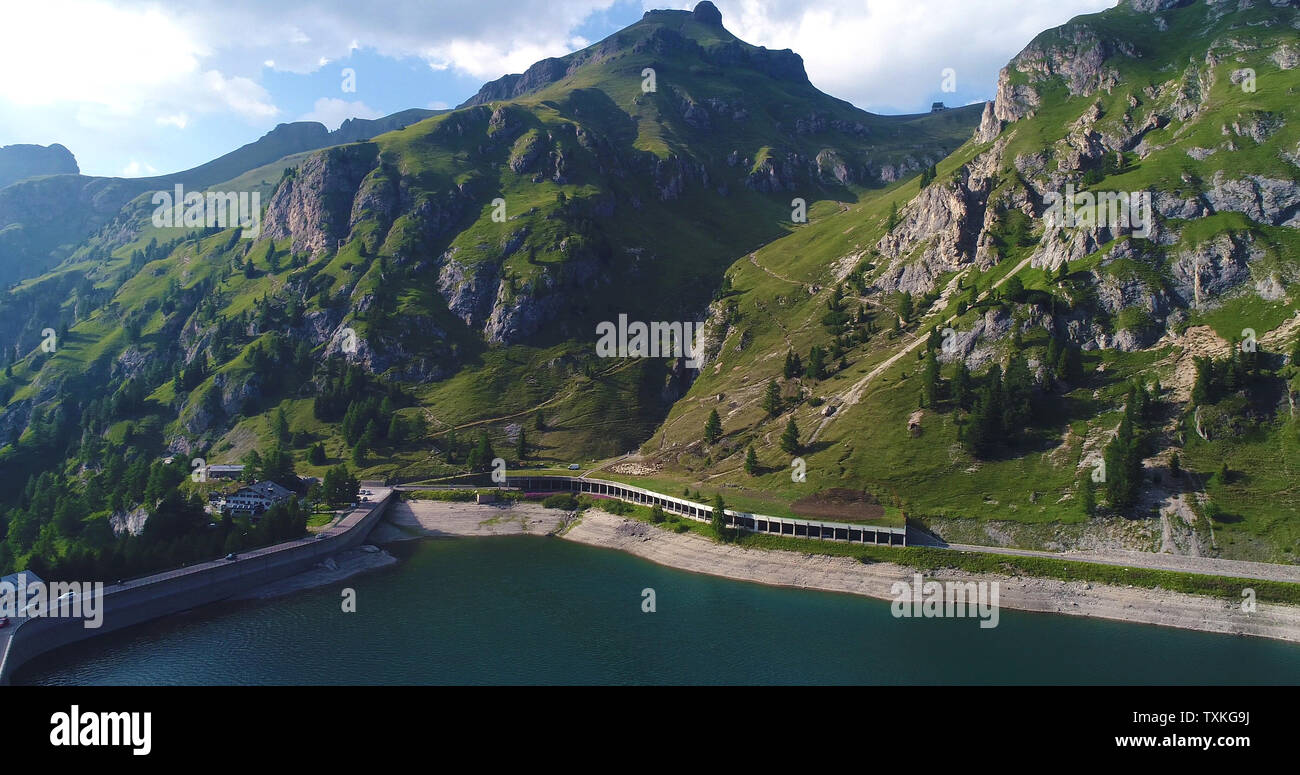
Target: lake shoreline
x=831 y=573
x=697 y=554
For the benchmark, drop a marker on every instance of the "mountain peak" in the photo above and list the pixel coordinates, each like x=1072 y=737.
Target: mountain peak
x=24 y=161
x=661 y=35
x=707 y=13
x=1157 y=6
x=704 y=13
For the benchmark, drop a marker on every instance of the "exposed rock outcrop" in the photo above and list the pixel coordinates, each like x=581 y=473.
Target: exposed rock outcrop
x=24 y=161
x=314 y=207
x=940 y=230
x=1264 y=200
x=990 y=126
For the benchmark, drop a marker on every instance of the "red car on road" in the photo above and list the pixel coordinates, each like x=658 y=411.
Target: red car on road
x=4 y=622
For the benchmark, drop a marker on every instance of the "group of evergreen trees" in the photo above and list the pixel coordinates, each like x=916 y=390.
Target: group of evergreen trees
x=818 y=362
x=1216 y=379
x=365 y=409
x=340 y=385
x=339 y=486
x=277 y=466
x=114 y=439
x=1004 y=405
x=481 y=455
x=370 y=421
x=837 y=319
x=793 y=365
x=1064 y=361
x=1123 y=455
x=477 y=455
x=51 y=511
x=1002 y=408
x=1000 y=405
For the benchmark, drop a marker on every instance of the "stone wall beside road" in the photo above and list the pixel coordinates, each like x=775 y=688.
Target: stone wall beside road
x=163 y=594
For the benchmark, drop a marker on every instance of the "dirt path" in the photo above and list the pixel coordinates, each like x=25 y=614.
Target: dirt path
x=524 y=412
x=1179 y=563
x=753 y=259
x=854 y=393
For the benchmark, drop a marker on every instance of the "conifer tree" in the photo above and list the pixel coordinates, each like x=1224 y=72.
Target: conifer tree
x=772 y=399
x=712 y=427
x=790 y=438
x=719 y=517
x=930 y=380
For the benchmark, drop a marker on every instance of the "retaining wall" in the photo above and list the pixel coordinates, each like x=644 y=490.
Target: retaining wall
x=167 y=593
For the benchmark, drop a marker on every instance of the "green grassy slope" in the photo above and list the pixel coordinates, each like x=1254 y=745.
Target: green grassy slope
x=617 y=201
x=1029 y=493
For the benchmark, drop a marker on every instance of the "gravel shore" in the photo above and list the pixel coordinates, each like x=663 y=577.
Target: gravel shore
x=690 y=552
x=341 y=566
x=416 y=519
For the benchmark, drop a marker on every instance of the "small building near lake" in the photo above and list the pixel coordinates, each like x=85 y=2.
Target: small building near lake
x=255 y=499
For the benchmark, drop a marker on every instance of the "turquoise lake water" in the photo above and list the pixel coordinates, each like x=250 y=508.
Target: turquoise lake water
x=546 y=611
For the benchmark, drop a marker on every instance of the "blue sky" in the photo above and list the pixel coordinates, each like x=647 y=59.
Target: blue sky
x=135 y=87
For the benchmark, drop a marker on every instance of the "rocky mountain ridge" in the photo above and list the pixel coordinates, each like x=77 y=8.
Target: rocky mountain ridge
x=954 y=224
x=19 y=162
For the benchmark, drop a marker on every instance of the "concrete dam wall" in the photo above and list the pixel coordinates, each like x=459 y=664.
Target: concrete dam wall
x=162 y=594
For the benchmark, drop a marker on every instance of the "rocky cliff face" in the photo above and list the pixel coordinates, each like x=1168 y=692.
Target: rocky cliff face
x=18 y=162
x=42 y=218
x=131 y=522
x=314 y=206
x=953 y=224
x=941 y=229
x=14 y=419
x=1156 y=6
x=535 y=78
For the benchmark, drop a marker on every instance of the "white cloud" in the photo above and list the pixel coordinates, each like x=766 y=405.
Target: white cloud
x=117 y=71
x=132 y=57
x=178 y=120
x=240 y=95
x=889 y=55
x=489 y=60
x=88 y=52
x=332 y=112
x=484 y=38
x=135 y=169
x=115 y=64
